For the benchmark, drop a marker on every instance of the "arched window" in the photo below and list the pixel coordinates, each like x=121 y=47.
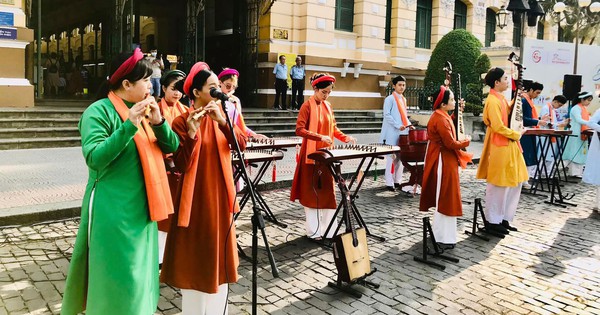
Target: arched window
x=460 y=15
x=540 y=30
x=490 y=27
x=388 y=21
x=344 y=15
x=423 y=34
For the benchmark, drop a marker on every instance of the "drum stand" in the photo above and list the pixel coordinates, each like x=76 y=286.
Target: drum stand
x=258 y=221
x=478 y=208
x=437 y=251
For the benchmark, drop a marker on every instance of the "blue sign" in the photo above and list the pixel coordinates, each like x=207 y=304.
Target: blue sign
x=7 y=19
x=8 y=33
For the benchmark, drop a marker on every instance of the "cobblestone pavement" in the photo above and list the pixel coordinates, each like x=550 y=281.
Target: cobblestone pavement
x=551 y=266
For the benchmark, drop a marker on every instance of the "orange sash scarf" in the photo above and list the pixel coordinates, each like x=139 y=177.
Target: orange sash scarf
x=463 y=156
x=498 y=139
x=160 y=204
x=585 y=115
x=313 y=125
x=239 y=121
x=534 y=113
x=402 y=109
x=551 y=114
x=171 y=112
x=208 y=128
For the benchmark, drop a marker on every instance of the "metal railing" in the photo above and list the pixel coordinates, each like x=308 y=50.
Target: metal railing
x=418 y=98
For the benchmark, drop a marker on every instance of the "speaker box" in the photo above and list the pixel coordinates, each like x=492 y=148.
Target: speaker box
x=571 y=85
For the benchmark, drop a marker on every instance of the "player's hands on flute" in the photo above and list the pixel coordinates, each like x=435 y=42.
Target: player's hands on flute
x=145 y=108
x=193 y=121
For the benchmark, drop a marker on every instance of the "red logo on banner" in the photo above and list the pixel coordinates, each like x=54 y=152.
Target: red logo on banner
x=536 y=56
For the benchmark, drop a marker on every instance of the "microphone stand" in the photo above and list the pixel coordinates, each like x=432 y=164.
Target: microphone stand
x=257 y=218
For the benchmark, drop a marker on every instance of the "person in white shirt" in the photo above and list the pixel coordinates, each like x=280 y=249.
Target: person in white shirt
x=395 y=123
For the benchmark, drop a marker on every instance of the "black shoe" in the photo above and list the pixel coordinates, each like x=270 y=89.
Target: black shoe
x=276 y=107
x=397 y=185
x=445 y=246
x=508 y=226
x=390 y=188
x=498 y=228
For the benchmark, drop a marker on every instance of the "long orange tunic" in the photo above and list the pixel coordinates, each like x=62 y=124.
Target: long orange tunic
x=203 y=255
x=170 y=113
x=442 y=148
x=313 y=184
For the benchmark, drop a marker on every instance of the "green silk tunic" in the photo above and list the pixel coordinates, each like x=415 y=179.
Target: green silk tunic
x=114 y=267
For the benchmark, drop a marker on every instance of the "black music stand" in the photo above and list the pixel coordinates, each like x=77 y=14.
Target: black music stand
x=261 y=201
x=257 y=218
x=478 y=208
x=556 y=196
x=437 y=251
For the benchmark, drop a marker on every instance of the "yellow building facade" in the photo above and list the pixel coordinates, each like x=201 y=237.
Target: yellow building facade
x=15 y=89
x=382 y=38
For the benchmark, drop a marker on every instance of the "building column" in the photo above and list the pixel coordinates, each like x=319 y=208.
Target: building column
x=369 y=21
x=442 y=20
x=15 y=89
x=402 y=37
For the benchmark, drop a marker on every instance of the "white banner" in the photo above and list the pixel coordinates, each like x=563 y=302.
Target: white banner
x=547 y=62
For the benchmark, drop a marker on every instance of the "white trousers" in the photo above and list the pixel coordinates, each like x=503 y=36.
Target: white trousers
x=531 y=170
x=443 y=226
x=598 y=198
x=162 y=241
x=396 y=178
x=501 y=202
x=576 y=169
x=317 y=221
x=200 y=303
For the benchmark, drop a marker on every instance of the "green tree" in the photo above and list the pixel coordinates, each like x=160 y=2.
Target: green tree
x=588 y=23
x=459 y=47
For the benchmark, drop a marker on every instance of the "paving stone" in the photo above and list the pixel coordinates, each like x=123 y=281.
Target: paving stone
x=546 y=267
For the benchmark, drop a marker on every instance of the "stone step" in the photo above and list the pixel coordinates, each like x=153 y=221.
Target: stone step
x=292 y=120
x=31 y=143
x=292 y=126
x=39 y=113
x=349 y=131
x=37 y=122
x=27 y=133
x=250 y=112
x=61 y=103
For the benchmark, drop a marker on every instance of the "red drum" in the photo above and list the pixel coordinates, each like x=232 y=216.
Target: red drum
x=418 y=135
x=403 y=140
x=413 y=153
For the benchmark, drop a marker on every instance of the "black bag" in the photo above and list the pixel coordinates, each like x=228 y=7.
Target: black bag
x=53 y=68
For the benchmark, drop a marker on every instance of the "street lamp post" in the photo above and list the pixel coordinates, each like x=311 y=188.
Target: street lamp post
x=560 y=7
x=521 y=10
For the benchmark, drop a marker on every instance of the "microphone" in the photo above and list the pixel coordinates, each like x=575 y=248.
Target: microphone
x=220 y=95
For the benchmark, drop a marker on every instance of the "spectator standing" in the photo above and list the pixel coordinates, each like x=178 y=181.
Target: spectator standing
x=157 y=67
x=297 y=73
x=280 y=71
x=52 y=80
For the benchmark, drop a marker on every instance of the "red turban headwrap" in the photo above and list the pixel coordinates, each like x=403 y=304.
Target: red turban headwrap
x=199 y=66
x=228 y=72
x=325 y=78
x=126 y=67
x=440 y=97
